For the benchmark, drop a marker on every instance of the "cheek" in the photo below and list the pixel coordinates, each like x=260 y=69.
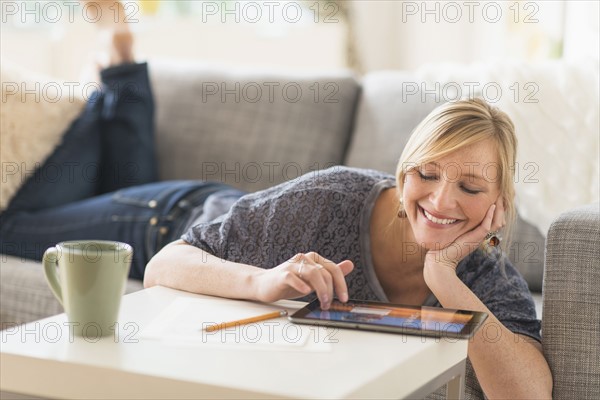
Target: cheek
x=476 y=210
x=413 y=192
x=413 y=189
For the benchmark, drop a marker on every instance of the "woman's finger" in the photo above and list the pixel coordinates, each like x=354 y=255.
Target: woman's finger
x=486 y=224
x=498 y=219
x=296 y=283
x=338 y=280
x=471 y=240
x=466 y=243
x=311 y=274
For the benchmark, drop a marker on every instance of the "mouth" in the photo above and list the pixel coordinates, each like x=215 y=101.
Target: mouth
x=437 y=221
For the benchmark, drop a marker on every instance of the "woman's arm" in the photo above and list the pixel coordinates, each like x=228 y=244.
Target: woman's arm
x=182 y=266
x=507 y=365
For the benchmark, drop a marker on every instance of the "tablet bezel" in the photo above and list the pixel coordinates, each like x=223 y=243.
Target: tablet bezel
x=477 y=319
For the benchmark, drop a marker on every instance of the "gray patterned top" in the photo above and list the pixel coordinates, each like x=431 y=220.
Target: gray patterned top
x=328 y=212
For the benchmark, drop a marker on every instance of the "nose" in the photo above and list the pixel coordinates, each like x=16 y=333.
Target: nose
x=442 y=198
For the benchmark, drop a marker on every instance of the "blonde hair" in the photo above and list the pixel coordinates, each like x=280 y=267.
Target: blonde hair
x=453 y=126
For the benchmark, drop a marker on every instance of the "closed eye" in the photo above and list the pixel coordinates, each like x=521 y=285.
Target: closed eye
x=469 y=191
x=427 y=177
x=435 y=178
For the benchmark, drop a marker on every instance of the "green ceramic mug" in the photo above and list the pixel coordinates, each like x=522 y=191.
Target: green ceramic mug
x=88 y=278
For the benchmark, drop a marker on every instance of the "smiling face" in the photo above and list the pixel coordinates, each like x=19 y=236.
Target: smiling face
x=445 y=198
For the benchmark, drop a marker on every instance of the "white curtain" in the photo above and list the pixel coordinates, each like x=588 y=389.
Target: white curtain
x=407 y=34
x=582 y=32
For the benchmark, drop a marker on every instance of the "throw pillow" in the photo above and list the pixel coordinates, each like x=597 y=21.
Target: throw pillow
x=35 y=112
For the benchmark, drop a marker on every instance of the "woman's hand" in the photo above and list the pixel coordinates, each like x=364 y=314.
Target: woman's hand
x=301 y=275
x=463 y=245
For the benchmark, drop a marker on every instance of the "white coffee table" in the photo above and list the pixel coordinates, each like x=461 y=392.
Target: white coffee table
x=38 y=359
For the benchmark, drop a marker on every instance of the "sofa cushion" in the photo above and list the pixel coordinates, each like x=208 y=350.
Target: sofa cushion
x=391 y=105
x=34 y=115
x=24 y=294
x=246 y=128
x=386 y=116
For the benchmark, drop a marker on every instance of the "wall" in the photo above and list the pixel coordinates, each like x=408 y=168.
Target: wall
x=66 y=47
x=389 y=34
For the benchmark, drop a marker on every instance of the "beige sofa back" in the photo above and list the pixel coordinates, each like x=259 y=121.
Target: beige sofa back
x=250 y=129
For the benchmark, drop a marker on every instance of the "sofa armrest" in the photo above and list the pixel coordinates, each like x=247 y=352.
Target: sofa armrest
x=571 y=296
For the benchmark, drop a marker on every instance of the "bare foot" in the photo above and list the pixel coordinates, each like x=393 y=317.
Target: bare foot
x=112 y=24
x=122 y=48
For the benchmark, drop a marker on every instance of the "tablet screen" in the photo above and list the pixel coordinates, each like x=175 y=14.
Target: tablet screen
x=429 y=321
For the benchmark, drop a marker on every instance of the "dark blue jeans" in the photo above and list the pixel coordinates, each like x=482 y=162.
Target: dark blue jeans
x=105 y=188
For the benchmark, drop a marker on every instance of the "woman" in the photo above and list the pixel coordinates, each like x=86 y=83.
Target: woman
x=363 y=234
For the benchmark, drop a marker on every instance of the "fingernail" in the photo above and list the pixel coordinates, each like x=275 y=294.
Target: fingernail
x=344 y=297
x=325 y=299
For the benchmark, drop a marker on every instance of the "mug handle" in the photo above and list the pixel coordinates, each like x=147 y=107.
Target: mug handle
x=50 y=260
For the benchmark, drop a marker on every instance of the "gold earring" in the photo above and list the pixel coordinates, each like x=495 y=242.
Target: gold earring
x=401 y=211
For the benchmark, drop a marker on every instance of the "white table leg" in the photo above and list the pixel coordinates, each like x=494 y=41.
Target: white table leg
x=455 y=390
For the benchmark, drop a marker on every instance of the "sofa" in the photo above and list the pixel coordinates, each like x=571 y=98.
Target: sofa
x=254 y=128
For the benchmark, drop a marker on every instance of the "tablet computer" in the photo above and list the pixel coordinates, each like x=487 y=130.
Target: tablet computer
x=395 y=318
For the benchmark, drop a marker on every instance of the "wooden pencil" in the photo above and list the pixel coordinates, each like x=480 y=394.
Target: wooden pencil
x=258 y=318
